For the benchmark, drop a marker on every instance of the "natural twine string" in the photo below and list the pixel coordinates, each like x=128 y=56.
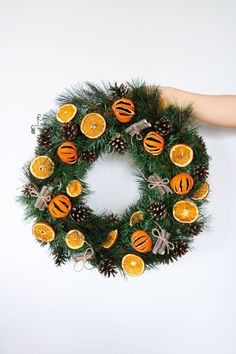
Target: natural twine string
x=137 y=134
x=84 y=259
x=44 y=199
x=162 y=183
x=161 y=236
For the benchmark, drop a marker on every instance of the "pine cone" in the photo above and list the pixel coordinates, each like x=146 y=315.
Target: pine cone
x=80 y=212
x=180 y=249
x=28 y=188
x=59 y=256
x=195 y=228
x=157 y=210
x=163 y=127
x=119 y=91
x=114 y=217
x=88 y=156
x=44 y=139
x=118 y=143
x=107 y=267
x=201 y=172
x=69 y=131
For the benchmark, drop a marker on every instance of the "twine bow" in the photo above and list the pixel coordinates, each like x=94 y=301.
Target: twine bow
x=136 y=128
x=44 y=199
x=160 y=235
x=137 y=134
x=82 y=258
x=154 y=183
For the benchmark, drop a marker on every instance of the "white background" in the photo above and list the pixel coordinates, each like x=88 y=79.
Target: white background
x=185 y=308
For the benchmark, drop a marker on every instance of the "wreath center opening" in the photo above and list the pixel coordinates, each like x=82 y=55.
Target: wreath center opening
x=112 y=183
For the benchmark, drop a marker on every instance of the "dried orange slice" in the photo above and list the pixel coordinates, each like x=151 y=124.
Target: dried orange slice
x=66 y=113
x=111 y=239
x=136 y=218
x=43 y=231
x=74 y=239
x=163 y=102
x=202 y=191
x=133 y=265
x=181 y=155
x=185 y=211
x=74 y=188
x=93 y=125
x=42 y=167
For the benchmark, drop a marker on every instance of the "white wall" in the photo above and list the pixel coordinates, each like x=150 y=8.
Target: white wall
x=185 y=308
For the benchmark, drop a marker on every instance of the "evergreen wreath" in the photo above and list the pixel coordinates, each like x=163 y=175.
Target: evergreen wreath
x=172 y=170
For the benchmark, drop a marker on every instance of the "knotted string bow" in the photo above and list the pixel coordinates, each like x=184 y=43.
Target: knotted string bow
x=82 y=258
x=44 y=199
x=160 y=235
x=154 y=183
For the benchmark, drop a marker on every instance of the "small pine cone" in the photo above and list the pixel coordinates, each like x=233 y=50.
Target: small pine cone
x=88 y=156
x=163 y=127
x=80 y=212
x=201 y=172
x=180 y=249
x=28 y=188
x=44 y=139
x=68 y=131
x=119 y=91
x=157 y=210
x=107 y=267
x=114 y=217
x=118 y=143
x=195 y=228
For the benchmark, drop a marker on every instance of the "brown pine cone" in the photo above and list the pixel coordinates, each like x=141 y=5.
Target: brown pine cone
x=88 y=156
x=69 y=131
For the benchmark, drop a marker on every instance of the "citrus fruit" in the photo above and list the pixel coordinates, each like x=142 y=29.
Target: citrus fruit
x=201 y=192
x=74 y=239
x=185 y=211
x=43 y=231
x=136 y=218
x=74 y=188
x=141 y=241
x=93 y=125
x=163 y=102
x=111 y=239
x=42 y=167
x=66 y=113
x=132 y=264
x=181 y=155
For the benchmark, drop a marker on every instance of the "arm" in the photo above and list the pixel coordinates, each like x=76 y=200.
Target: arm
x=212 y=109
